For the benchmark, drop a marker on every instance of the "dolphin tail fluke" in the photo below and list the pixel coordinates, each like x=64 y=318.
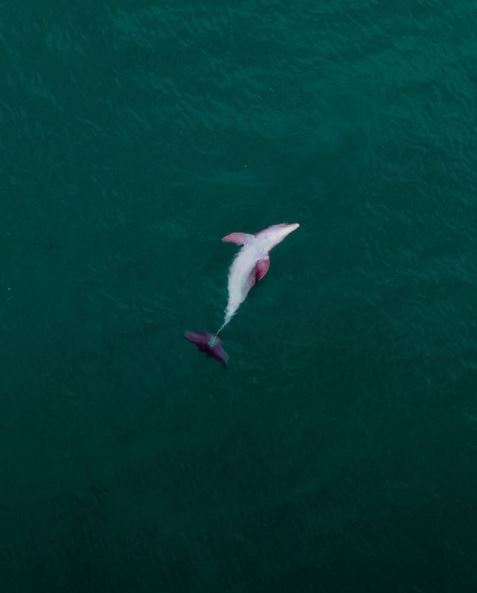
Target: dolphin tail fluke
x=210 y=344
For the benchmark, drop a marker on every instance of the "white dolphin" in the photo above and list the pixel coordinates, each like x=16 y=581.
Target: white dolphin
x=250 y=265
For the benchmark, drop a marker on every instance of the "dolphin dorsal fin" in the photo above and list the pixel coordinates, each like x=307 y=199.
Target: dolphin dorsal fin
x=238 y=238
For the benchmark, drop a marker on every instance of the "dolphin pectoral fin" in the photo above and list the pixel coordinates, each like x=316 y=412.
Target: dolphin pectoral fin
x=238 y=238
x=262 y=267
x=259 y=271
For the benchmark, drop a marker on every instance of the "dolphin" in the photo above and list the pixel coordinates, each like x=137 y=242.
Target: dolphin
x=250 y=265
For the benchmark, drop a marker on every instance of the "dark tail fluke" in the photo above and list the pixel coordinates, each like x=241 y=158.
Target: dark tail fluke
x=210 y=344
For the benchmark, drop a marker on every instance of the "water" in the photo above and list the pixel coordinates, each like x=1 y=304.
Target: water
x=337 y=452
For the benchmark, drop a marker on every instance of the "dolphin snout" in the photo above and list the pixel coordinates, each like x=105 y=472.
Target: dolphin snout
x=291 y=227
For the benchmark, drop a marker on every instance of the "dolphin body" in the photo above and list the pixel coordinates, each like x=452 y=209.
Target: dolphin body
x=250 y=265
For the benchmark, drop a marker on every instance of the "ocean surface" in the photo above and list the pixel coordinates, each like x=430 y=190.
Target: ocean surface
x=338 y=452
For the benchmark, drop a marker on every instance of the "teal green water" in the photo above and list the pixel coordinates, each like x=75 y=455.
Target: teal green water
x=337 y=453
